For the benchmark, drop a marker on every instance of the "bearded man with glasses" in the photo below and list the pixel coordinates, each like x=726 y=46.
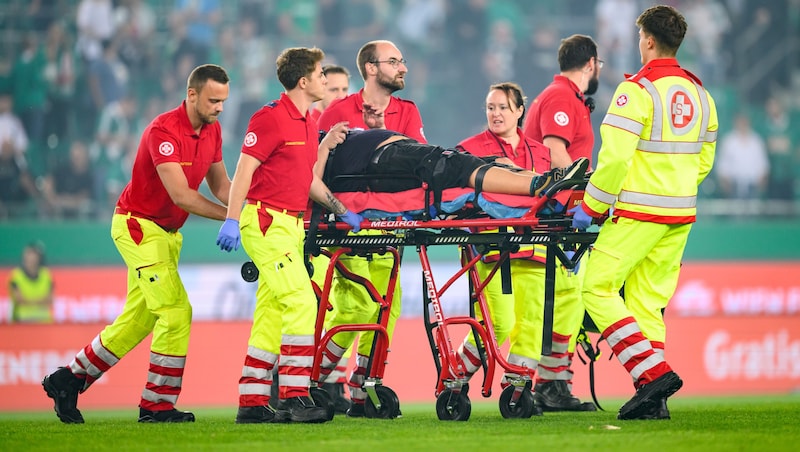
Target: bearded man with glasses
x=383 y=69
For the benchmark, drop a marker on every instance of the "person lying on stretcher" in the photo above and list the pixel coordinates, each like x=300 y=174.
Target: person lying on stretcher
x=403 y=164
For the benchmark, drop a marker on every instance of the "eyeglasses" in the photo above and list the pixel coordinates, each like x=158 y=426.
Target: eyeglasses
x=393 y=61
x=600 y=63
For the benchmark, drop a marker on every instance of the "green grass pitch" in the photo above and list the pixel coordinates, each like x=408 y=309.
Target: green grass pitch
x=767 y=423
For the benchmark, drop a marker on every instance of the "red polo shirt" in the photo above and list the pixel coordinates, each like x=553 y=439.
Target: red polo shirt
x=286 y=143
x=530 y=154
x=400 y=116
x=559 y=111
x=170 y=137
x=315 y=114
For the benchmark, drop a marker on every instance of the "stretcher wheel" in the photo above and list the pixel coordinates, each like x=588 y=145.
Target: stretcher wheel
x=322 y=399
x=390 y=404
x=249 y=271
x=523 y=409
x=453 y=407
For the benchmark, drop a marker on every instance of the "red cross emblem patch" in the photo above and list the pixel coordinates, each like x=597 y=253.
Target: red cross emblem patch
x=681 y=109
x=250 y=139
x=166 y=148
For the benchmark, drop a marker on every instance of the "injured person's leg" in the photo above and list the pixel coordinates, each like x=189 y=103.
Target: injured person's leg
x=501 y=180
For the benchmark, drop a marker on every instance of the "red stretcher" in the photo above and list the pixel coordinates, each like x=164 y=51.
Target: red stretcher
x=544 y=223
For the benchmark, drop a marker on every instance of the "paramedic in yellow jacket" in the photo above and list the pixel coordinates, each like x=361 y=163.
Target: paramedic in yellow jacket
x=658 y=142
x=30 y=288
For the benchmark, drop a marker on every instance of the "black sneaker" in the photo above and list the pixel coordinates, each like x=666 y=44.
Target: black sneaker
x=649 y=396
x=302 y=409
x=587 y=406
x=660 y=411
x=356 y=410
x=576 y=172
x=262 y=414
x=340 y=403
x=63 y=387
x=172 y=415
x=556 y=396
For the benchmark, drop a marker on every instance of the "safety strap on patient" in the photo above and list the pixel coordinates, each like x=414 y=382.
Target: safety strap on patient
x=436 y=178
x=479 y=176
x=481 y=173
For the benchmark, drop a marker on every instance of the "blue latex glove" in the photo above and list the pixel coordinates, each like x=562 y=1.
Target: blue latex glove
x=229 y=236
x=353 y=219
x=570 y=255
x=580 y=219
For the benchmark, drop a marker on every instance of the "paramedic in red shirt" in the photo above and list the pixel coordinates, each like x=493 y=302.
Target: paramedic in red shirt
x=270 y=190
x=517 y=316
x=559 y=118
x=177 y=151
x=337 y=87
x=658 y=143
x=559 y=115
x=383 y=69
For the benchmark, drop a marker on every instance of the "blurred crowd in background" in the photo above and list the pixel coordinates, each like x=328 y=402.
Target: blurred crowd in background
x=80 y=79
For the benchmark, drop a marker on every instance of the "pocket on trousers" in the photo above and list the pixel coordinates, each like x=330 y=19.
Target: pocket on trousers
x=135 y=230
x=264 y=221
x=605 y=270
x=286 y=275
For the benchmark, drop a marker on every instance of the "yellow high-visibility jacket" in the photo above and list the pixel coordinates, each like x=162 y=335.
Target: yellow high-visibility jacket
x=31 y=288
x=658 y=143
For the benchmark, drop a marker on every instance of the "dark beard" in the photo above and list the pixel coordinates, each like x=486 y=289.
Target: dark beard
x=391 y=84
x=593 y=84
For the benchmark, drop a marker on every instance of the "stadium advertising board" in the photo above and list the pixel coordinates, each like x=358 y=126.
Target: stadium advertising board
x=732 y=329
x=217 y=291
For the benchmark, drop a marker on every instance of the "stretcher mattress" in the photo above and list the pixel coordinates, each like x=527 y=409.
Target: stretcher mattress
x=411 y=203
